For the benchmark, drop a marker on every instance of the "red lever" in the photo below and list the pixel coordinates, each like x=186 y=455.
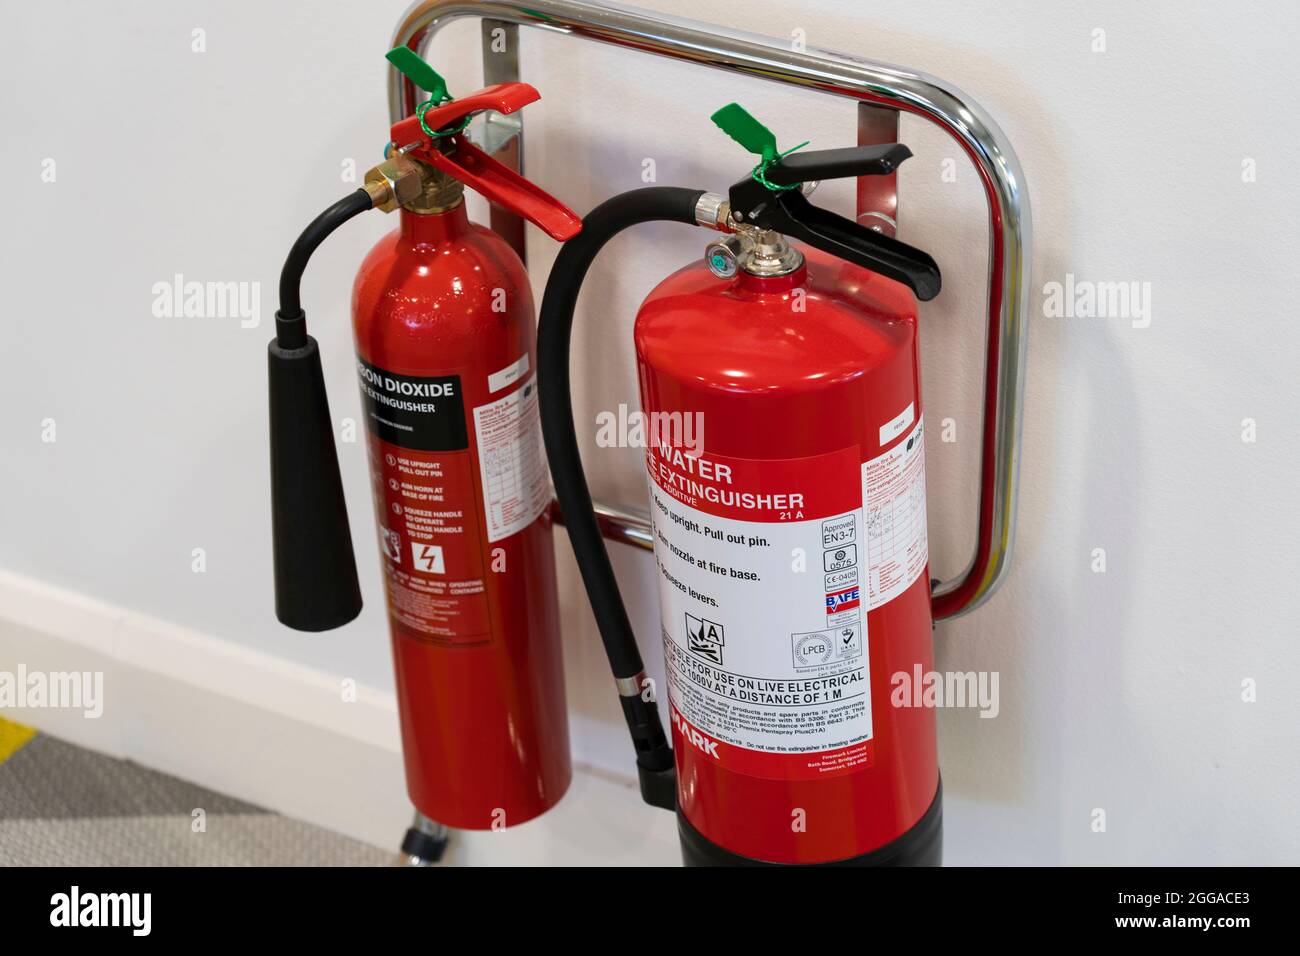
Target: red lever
x=467 y=163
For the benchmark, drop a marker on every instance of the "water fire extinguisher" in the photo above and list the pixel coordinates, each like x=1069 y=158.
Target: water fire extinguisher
x=443 y=323
x=781 y=393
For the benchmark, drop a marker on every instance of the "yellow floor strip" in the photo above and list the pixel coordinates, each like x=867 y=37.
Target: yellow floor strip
x=12 y=738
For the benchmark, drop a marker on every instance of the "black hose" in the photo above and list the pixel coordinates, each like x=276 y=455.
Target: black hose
x=653 y=204
x=290 y=322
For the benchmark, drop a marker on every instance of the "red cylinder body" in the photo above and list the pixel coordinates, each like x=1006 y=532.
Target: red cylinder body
x=444 y=327
x=791 y=545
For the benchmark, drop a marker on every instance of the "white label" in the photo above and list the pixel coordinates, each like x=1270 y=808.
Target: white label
x=893 y=494
x=894 y=427
x=508 y=375
x=765 y=638
x=511 y=463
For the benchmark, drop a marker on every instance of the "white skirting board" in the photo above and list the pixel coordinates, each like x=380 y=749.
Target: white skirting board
x=280 y=735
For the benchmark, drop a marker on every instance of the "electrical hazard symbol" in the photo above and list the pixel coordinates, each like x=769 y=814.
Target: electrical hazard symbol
x=705 y=638
x=428 y=558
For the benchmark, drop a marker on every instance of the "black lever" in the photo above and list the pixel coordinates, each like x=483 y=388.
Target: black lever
x=790 y=213
x=851 y=161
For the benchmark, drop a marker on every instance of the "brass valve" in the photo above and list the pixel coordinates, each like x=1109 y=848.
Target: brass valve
x=394 y=182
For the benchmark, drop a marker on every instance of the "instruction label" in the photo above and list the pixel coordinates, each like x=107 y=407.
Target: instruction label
x=511 y=462
x=893 y=490
x=426 y=506
x=765 y=633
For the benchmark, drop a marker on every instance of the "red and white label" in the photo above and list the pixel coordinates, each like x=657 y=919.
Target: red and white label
x=761 y=567
x=428 y=531
x=893 y=492
x=512 y=464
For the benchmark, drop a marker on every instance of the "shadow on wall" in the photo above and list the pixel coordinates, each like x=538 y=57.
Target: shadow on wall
x=986 y=760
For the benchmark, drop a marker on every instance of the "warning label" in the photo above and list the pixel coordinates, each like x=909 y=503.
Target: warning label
x=765 y=637
x=426 y=506
x=428 y=530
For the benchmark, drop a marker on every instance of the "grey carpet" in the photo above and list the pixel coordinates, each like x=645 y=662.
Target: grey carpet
x=64 y=805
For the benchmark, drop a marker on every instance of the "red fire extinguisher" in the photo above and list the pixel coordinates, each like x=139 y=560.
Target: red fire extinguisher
x=785 y=462
x=444 y=330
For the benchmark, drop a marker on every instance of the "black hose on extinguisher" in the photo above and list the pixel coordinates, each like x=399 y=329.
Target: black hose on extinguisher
x=555 y=326
x=316 y=585
x=290 y=320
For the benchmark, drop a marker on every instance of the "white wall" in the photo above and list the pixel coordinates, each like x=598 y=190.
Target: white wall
x=1120 y=690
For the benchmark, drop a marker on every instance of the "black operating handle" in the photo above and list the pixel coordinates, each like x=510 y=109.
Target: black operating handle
x=852 y=161
x=860 y=245
x=790 y=213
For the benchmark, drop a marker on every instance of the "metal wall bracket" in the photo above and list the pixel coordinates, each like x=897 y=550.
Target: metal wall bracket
x=882 y=92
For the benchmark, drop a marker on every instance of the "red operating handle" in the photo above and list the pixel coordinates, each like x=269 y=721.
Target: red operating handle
x=463 y=161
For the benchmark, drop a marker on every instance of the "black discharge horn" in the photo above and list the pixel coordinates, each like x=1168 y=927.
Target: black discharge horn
x=316 y=586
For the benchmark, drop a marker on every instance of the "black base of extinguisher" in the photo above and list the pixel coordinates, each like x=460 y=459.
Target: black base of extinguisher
x=922 y=845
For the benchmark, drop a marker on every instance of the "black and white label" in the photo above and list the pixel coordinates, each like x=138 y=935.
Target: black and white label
x=765 y=636
x=512 y=464
x=422 y=413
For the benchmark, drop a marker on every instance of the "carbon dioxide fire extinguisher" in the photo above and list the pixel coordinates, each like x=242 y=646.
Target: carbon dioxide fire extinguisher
x=443 y=323
x=789 y=522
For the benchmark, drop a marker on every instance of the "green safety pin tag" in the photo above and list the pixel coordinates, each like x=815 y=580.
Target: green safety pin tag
x=738 y=123
x=410 y=65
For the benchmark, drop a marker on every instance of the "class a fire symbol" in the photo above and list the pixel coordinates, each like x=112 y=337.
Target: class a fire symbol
x=705 y=638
